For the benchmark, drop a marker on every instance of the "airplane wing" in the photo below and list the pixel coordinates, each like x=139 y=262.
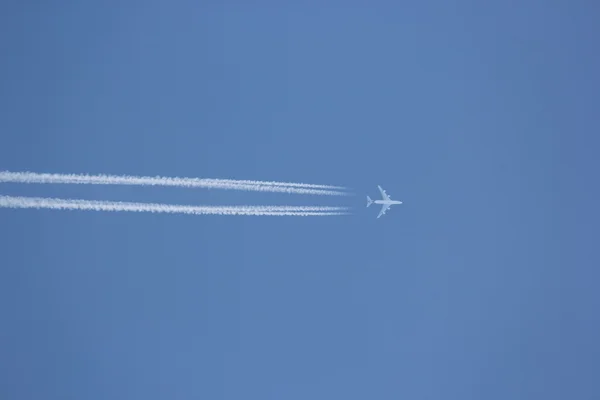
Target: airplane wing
x=384 y=208
x=383 y=193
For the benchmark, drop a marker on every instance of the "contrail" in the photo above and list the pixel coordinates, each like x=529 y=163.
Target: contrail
x=271 y=183
x=93 y=205
x=227 y=184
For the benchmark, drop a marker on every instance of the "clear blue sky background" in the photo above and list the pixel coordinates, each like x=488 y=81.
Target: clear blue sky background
x=482 y=118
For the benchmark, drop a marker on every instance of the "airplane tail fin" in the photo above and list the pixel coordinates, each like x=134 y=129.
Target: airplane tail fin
x=369 y=201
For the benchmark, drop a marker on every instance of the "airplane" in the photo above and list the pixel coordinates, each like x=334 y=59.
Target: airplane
x=386 y=203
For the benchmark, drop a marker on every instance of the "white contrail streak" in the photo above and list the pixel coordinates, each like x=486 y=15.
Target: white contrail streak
x=93 y=205
x=271 y=183
x=228 y=184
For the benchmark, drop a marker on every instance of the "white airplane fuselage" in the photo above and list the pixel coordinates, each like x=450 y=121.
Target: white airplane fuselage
x=390 y=202
x=386 y=202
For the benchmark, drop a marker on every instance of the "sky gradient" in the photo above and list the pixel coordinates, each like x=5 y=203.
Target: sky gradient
x=482 y=119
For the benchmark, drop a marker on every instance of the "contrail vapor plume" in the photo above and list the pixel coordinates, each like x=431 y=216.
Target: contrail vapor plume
x=116 y=206
x=271 y=183
x=227 y=184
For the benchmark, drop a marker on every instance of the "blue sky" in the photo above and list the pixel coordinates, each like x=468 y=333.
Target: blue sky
x=482 y=118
